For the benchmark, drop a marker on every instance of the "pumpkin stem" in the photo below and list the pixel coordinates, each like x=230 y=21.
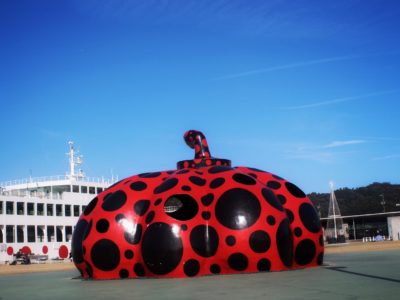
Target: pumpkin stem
x=197 y=141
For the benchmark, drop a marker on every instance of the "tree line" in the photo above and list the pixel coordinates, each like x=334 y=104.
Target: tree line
x=374 y=198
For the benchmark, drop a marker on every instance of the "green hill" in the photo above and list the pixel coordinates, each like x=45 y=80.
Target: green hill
x=362 y=200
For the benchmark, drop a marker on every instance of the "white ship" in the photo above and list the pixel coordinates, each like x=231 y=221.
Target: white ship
x=38 y=215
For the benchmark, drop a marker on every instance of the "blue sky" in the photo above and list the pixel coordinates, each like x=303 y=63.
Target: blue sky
x=308 y=90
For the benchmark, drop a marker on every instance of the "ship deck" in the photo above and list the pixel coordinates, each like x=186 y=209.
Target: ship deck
x=345 y=275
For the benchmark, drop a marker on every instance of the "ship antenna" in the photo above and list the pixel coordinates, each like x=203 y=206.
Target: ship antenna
x=74 y=160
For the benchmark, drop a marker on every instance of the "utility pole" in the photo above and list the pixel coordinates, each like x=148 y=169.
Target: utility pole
x=383 y=202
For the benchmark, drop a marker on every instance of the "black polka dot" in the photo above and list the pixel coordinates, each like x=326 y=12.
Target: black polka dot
x=230 y=240
x=216 y=183
x=105 y=255
x=305 y=252
x=207 y=199
x=238 y=261
x=115 y=201
x=138 y=186
x=77 y=239
x=277 y=177
x=309 y=218
x=149 y=175
x=259 y=241
x=141 y=207
x=102 y=225
x=89 y=269
x=139 y=269
x=150 y=217
x=237 y=209
x=273 y=184
x=282 y=199
x=162 y=248
x=320 y=258
x=198 y=172
x=253 y=175
x=90 y=207
x=183 y=171
x=204 y=240
x=132 y=231
x=191 y=267
x=284 y=241
x=294 y=190
x=170 y=172
x=123 y=273
x=182 y=207
x=166 y=185
x=197 y=180
x=257 y=170
x=263 y=265
x=128 y=254
x=290 y=215
x=215 y=269
x=219 y=169
x=206 y=215
x=157 y=202
x=298 y=232
x=119 y=218
x=271 y=220
x=87 y=231
x=243 y=179
x=184 y=227
x=186 y=188
x=270 y=197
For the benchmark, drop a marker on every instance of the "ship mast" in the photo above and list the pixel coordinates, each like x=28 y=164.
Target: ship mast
x=74 y=161
x=333 y=200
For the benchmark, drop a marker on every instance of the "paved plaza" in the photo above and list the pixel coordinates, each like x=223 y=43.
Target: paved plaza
x=367 y=275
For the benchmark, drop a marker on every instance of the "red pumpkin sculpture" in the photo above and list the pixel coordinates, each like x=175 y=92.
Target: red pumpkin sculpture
x=204 y=218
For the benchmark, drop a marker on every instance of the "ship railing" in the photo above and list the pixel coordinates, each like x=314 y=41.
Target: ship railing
x=55 y=178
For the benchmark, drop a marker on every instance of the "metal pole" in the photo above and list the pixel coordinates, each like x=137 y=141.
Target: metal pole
x=334 y=214
x=354 y=229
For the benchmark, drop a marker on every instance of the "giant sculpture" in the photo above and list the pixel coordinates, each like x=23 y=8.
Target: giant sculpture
x=204 y=218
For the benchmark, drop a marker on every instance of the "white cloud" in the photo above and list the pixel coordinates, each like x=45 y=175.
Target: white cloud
x=336 y=144
x=339 y=100
x=391 y=156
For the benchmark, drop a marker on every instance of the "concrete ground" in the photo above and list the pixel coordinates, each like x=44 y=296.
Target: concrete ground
x=354 y=275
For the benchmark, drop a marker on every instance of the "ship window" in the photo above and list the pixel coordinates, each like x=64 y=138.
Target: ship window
x=40 y=209
x=1 y=236
x=84 y=189
x=10 y=234
x=31 y=234
x=92 y=190
x=20 y=233
x=68 y=233
x=59 y=234
x=50 y=233
x=59 y=210
x=9 y=208
x=75 y=188
x=49 y=209
x=31 y=209
x=99 y=190
x=20 y=208
x=40 y=233
x=67 y=210
x=1 y=207
x=76 y=210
